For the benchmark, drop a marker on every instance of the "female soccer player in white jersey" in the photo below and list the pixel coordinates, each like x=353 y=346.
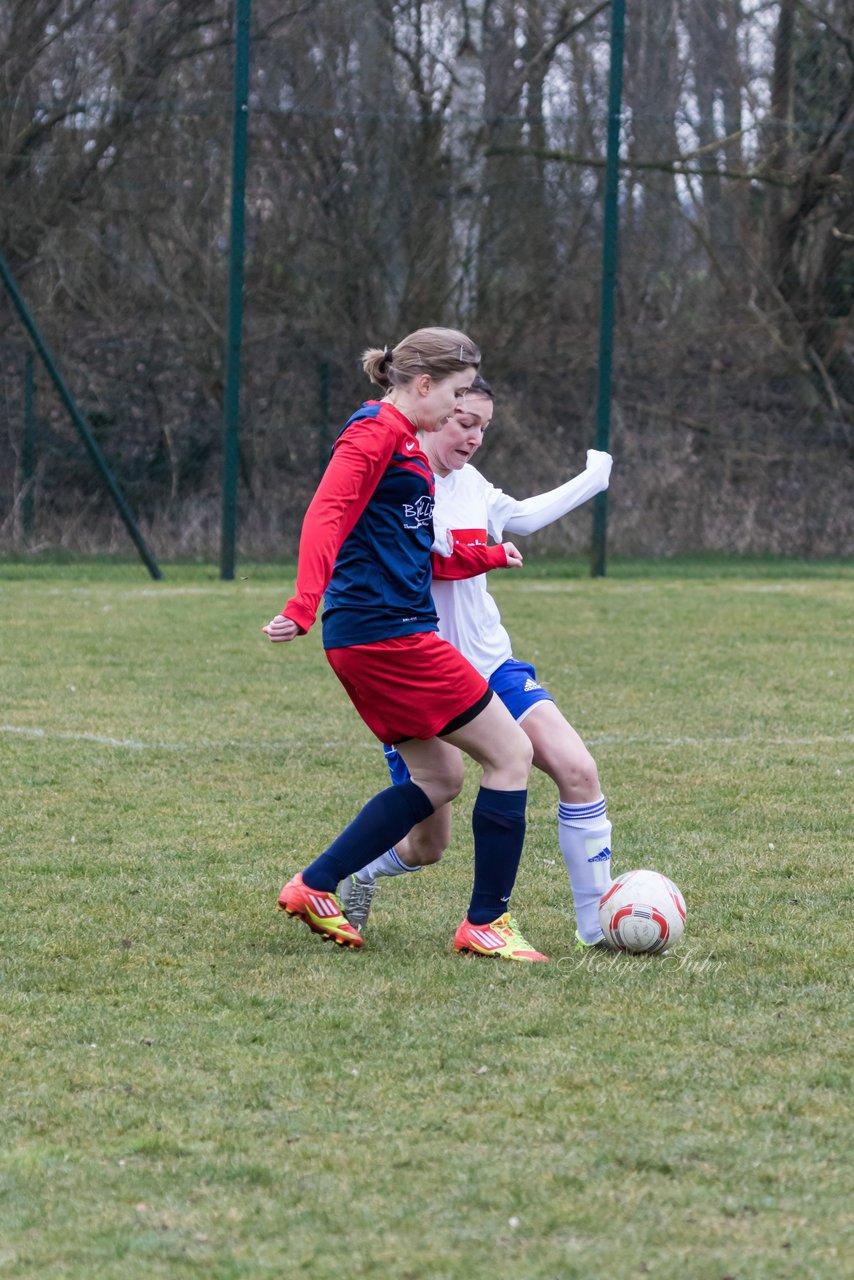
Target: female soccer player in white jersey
x=468 y=510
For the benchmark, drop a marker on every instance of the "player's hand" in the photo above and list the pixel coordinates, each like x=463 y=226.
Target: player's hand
x=281 y=628
x=513 y=554
x=443 y=540
x=598 y=460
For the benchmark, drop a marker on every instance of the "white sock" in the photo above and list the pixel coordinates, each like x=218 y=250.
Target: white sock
x=387 y=864
x=584 y=833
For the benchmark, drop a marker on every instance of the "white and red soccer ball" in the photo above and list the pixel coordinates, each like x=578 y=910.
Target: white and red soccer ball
x=642 y=911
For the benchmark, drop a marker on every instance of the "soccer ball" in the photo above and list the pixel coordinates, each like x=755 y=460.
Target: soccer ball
x=642 y=911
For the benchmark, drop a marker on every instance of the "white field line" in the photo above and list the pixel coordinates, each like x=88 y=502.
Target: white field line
x=201 y=744
x=715 y=740
x=605 y=739
x=167 y=591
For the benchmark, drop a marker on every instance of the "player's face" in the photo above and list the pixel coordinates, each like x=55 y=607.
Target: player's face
x=462 y=435
x=442 y=397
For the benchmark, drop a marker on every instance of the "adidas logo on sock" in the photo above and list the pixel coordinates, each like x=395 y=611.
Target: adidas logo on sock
x=604 y=855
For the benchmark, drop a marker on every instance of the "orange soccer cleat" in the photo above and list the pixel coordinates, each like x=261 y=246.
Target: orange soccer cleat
x=501 y=938
x=321 y=911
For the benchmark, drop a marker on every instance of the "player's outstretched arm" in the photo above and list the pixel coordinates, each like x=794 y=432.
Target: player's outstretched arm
x=531 y=514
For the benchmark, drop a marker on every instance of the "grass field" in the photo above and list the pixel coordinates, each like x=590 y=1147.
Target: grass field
x=194 y=1086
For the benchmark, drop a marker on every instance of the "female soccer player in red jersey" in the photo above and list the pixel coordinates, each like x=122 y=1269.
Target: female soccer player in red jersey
x=365 y=548
x=472 y=510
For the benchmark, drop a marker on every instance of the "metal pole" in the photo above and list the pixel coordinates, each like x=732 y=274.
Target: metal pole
x=28 y=452
x=235 y=291
x=79 y=421
x=609 y=275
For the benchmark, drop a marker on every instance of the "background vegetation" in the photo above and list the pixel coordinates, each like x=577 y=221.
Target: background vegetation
x=422 y=162
x=195 y=1086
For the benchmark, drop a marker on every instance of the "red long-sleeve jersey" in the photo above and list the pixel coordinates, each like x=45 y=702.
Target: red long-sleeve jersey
x=367 y=533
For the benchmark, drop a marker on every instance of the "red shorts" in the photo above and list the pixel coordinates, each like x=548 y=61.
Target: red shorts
x=409 y=686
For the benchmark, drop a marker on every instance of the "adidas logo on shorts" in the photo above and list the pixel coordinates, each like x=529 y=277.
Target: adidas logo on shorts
x=530 y=685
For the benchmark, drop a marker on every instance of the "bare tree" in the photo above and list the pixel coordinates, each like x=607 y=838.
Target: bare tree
x=811 y=219
x=437 y=161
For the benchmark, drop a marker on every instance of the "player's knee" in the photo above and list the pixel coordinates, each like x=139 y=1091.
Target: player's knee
x=578 y=777
x=456 y=774
x=521 y=752
x=426 y=848
x=588 y=775
x=445 y=784
x=511 y=762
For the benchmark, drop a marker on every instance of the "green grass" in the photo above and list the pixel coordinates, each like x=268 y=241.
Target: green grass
x=194 y=1086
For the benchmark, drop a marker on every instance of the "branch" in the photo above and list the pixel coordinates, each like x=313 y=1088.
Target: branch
x=821 y=16
x=714 y=145
x=566 y=33
x=677 y=167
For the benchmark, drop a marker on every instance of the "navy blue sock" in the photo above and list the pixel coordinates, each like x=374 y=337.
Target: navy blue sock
x=498 y=823
x=383 y=821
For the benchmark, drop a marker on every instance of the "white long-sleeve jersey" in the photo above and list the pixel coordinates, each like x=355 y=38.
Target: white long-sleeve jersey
x=469 y=510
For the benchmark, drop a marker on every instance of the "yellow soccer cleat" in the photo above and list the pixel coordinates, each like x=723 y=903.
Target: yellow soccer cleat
x=583 y=947
x=321 y=911
x=501 y=938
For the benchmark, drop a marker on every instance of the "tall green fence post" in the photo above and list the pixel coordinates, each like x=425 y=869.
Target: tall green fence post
x=235 y=291
x=28 y=451
x=610 y=233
